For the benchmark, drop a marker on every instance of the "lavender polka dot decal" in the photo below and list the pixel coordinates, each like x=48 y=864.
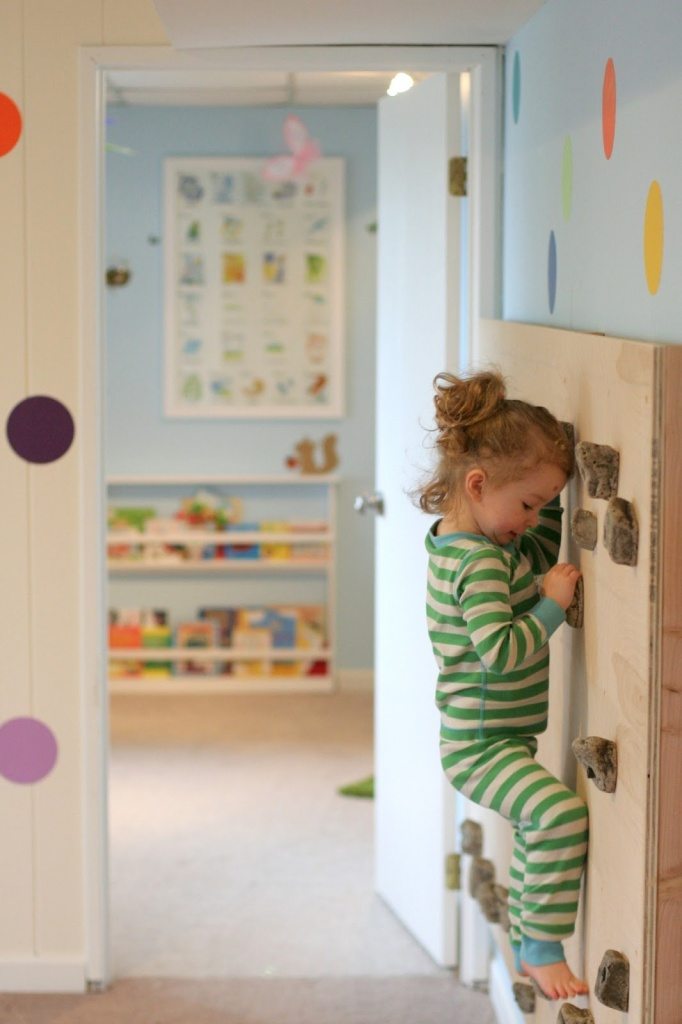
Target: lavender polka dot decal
x=551 y=271
x=28 y=750
x=40 y=429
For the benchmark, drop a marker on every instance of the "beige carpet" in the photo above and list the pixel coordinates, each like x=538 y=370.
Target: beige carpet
x=242 y=883
x=232 y=853
x=419 y=1000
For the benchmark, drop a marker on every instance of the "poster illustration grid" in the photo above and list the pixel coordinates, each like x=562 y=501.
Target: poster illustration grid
x=254 y=289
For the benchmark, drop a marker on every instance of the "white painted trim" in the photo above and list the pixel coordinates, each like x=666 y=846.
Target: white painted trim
x=283 y=58
x=501 y=994
x=352 y=680
x=43 y=975
x=485 y=225
x=92 y=519
x=484 y=62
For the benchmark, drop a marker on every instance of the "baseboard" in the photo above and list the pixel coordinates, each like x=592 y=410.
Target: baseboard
x=44 y=975
x=356 y=679
x=500 y=993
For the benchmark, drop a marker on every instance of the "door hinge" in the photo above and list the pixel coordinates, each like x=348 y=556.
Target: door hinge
x=452 y=871
x=457 y=175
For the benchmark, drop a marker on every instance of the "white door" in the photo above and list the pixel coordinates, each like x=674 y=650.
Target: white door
x=418 y=326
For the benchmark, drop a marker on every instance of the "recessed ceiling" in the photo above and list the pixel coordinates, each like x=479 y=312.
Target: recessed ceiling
x=212 y=24
x=215 y=87
x=215 y=26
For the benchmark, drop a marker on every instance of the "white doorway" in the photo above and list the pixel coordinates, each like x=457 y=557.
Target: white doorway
x=485 y=82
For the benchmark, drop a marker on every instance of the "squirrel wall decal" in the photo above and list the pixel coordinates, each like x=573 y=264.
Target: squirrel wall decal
x=305 y=457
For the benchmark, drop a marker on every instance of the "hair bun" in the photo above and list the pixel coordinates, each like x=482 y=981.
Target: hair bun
x=463 y=402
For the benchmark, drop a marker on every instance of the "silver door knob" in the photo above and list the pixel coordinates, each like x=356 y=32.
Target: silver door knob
x=369 y=503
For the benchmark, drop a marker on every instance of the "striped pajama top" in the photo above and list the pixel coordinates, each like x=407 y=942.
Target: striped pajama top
x=490 y=628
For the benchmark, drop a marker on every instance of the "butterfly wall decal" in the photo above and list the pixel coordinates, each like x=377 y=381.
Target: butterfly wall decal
x=302 y=152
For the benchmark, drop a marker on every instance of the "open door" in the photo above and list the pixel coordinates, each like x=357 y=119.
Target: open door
x=418 y=326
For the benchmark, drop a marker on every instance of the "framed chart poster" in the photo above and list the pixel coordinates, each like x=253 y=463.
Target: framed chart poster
x=254 y=323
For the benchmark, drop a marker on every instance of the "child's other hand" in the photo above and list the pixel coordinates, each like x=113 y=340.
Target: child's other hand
x=559 y=583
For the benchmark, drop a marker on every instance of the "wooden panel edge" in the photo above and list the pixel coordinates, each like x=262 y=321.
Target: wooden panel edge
x=667 y=994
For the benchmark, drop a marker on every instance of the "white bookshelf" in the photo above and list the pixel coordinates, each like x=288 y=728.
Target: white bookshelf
x=158 y=572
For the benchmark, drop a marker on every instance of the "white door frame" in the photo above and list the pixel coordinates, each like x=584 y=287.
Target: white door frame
x=485 y=67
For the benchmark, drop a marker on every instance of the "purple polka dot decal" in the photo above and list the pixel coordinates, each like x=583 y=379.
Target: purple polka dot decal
x=551 y=271
x=28 y=750
x=40 y=429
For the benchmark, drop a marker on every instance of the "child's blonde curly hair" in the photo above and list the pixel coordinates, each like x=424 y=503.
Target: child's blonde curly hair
x=477 y=425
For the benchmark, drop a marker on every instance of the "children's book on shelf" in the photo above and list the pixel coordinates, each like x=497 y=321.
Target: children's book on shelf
x=280 y=549
x=284 y=627
x=138 y=627
x=251 y=633
x=224 y=621
x=157 y=637
x=196 y=634
x=248 y=550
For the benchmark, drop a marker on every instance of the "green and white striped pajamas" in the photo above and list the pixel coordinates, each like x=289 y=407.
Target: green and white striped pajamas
x=490 y=628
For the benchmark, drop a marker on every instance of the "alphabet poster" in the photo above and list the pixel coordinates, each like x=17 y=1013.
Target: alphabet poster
x=254 y=289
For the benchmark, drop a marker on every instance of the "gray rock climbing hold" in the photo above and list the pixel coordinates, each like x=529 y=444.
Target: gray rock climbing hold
x=472 y=837
x=621 y=532
x=502 y=897
x=569 y=431
x=487 y=901
x=575 y=610
x=598 y=465
x=584 y=529
x=612 y=987
x=481 y=871
x=600 y=759
x=524 y=996
x=570 y=1014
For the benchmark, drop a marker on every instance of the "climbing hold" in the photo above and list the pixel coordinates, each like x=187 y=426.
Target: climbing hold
x=481 y=871
x=612 y=987
x=574 y=612
x=488 y=902
x=570 y=1014
x=524 y=996
x=598 y=465
x=621 y=532
x=472 y=837
x=600 y=759
x=502 y=897
x=568 y=431
x=584 y=529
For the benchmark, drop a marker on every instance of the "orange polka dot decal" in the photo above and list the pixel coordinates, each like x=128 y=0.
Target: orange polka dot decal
x=10 y=124
x=608 y=108
x=653 y=237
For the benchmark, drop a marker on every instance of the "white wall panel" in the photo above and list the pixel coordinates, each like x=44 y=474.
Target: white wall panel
x=41 y=860
x=16 y=861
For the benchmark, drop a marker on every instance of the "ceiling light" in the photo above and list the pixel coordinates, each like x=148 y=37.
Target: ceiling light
x=400 y=83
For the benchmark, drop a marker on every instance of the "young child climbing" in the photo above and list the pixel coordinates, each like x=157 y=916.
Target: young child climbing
x=502 y=464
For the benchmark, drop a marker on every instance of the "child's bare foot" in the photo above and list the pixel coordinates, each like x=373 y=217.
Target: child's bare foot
x=557 y=980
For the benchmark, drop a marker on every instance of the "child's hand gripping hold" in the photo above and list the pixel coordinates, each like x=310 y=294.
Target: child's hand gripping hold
x=559 y=583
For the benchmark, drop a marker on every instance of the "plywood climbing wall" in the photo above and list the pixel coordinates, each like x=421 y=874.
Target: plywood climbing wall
x=615 y=677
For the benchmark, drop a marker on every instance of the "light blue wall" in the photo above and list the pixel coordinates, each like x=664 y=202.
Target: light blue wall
x=561 y=55
x=139 y=439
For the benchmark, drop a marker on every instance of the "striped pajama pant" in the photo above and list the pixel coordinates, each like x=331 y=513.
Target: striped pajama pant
x=549 y=822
